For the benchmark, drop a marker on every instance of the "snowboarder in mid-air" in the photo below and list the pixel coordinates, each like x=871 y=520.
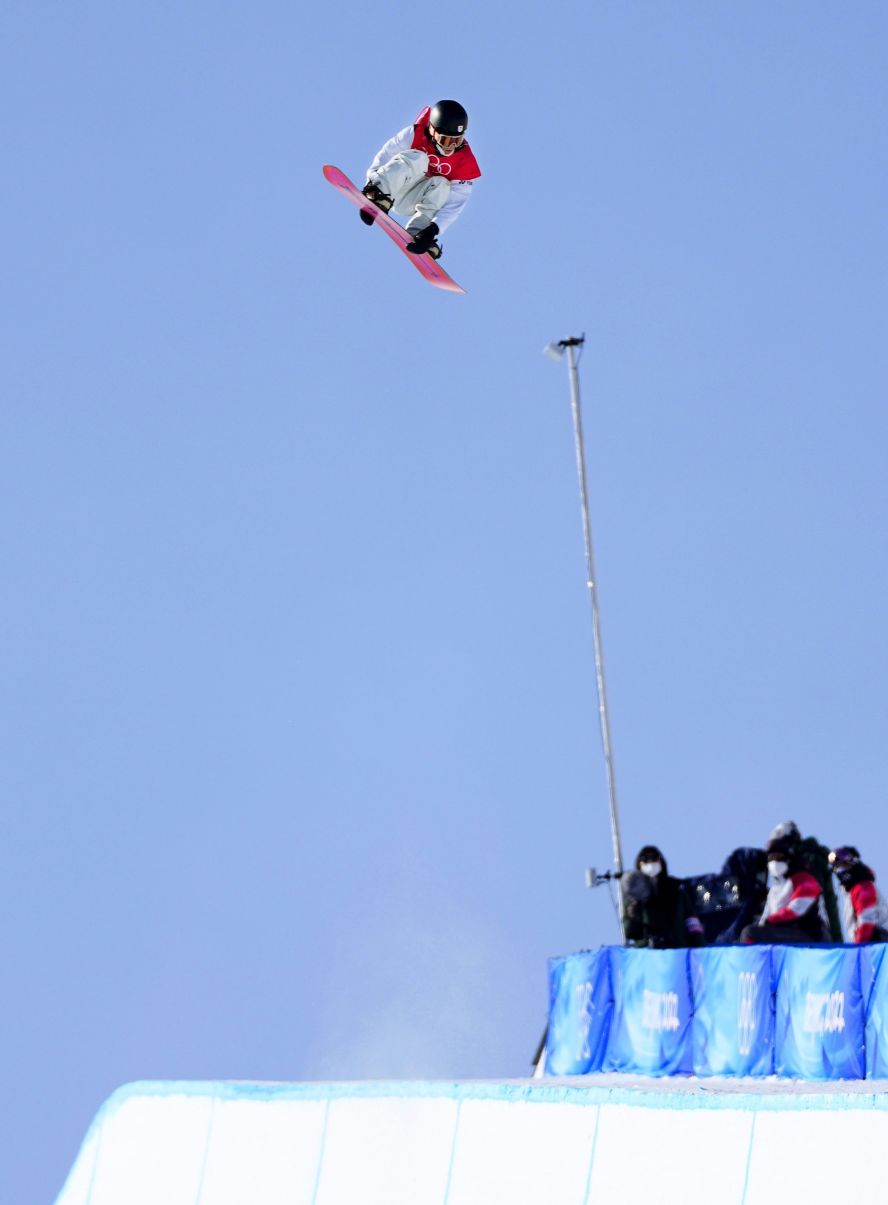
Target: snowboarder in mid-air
x=425 y=171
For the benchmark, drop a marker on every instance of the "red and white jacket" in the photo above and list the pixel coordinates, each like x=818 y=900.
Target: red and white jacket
x=864 y=910
x=796 y=900
x=461 y=168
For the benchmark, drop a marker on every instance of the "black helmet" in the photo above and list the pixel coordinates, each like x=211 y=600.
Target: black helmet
x=788 y=829
x=449 y=117
x=843 y=858
x=846 y=865
x=781 y=848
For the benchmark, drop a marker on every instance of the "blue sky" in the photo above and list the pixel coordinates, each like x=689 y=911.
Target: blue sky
x=299 y=757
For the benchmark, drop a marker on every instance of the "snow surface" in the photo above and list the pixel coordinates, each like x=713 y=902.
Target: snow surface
x=690 y=1085
x=528 y=1142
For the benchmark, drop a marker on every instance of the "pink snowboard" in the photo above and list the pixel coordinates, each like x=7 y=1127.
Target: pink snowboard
x=430 y=268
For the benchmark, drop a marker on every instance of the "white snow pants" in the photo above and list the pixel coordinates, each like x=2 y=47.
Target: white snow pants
x=404 y=179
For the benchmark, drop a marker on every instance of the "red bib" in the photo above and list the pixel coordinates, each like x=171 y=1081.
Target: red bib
x=461 y=165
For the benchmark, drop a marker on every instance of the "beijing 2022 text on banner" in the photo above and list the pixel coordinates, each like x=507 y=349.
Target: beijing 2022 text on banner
x=733 y=1027
x=651 y=1027
x=580 y=1006
x=819 y=1020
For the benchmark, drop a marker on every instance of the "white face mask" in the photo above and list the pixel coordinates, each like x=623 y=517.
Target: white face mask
x=651 y=869
x=777 y=870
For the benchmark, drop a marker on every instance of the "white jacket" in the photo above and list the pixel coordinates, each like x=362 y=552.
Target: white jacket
x=460 y=190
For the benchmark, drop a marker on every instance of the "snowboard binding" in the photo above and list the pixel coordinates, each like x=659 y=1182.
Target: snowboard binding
x=425 y=241
x=380 y=199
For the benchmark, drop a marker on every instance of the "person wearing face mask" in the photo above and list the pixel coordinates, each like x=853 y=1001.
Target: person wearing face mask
x=865 y=912
x=794 y=910
x=427 y=171
x=814 y=857
x=656 y=911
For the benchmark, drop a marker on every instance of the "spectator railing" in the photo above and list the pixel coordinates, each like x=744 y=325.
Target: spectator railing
x=808 y=1012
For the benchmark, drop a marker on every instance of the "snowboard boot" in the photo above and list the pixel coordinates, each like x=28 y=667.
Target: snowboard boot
x=375 y=194
x=424 y=240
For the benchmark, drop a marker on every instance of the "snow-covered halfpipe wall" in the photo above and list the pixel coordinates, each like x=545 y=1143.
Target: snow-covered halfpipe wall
x=482 y=1143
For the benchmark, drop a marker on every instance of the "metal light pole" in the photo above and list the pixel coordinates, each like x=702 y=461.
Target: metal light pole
x=555 y=351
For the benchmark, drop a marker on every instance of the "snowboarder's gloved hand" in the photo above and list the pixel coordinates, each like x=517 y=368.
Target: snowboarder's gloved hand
x=424 y=240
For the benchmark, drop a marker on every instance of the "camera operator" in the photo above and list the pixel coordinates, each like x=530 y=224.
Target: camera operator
x=656 y=911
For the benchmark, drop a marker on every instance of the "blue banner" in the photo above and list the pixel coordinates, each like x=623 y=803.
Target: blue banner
x=874 y=989
x=809 y=1012
x=651 y=1026
x=580 y=1005
x=733 y=1026
x=819 y=1030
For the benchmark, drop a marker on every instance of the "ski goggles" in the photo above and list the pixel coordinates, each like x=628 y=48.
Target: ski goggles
x=448 y=143
x=843 y=857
